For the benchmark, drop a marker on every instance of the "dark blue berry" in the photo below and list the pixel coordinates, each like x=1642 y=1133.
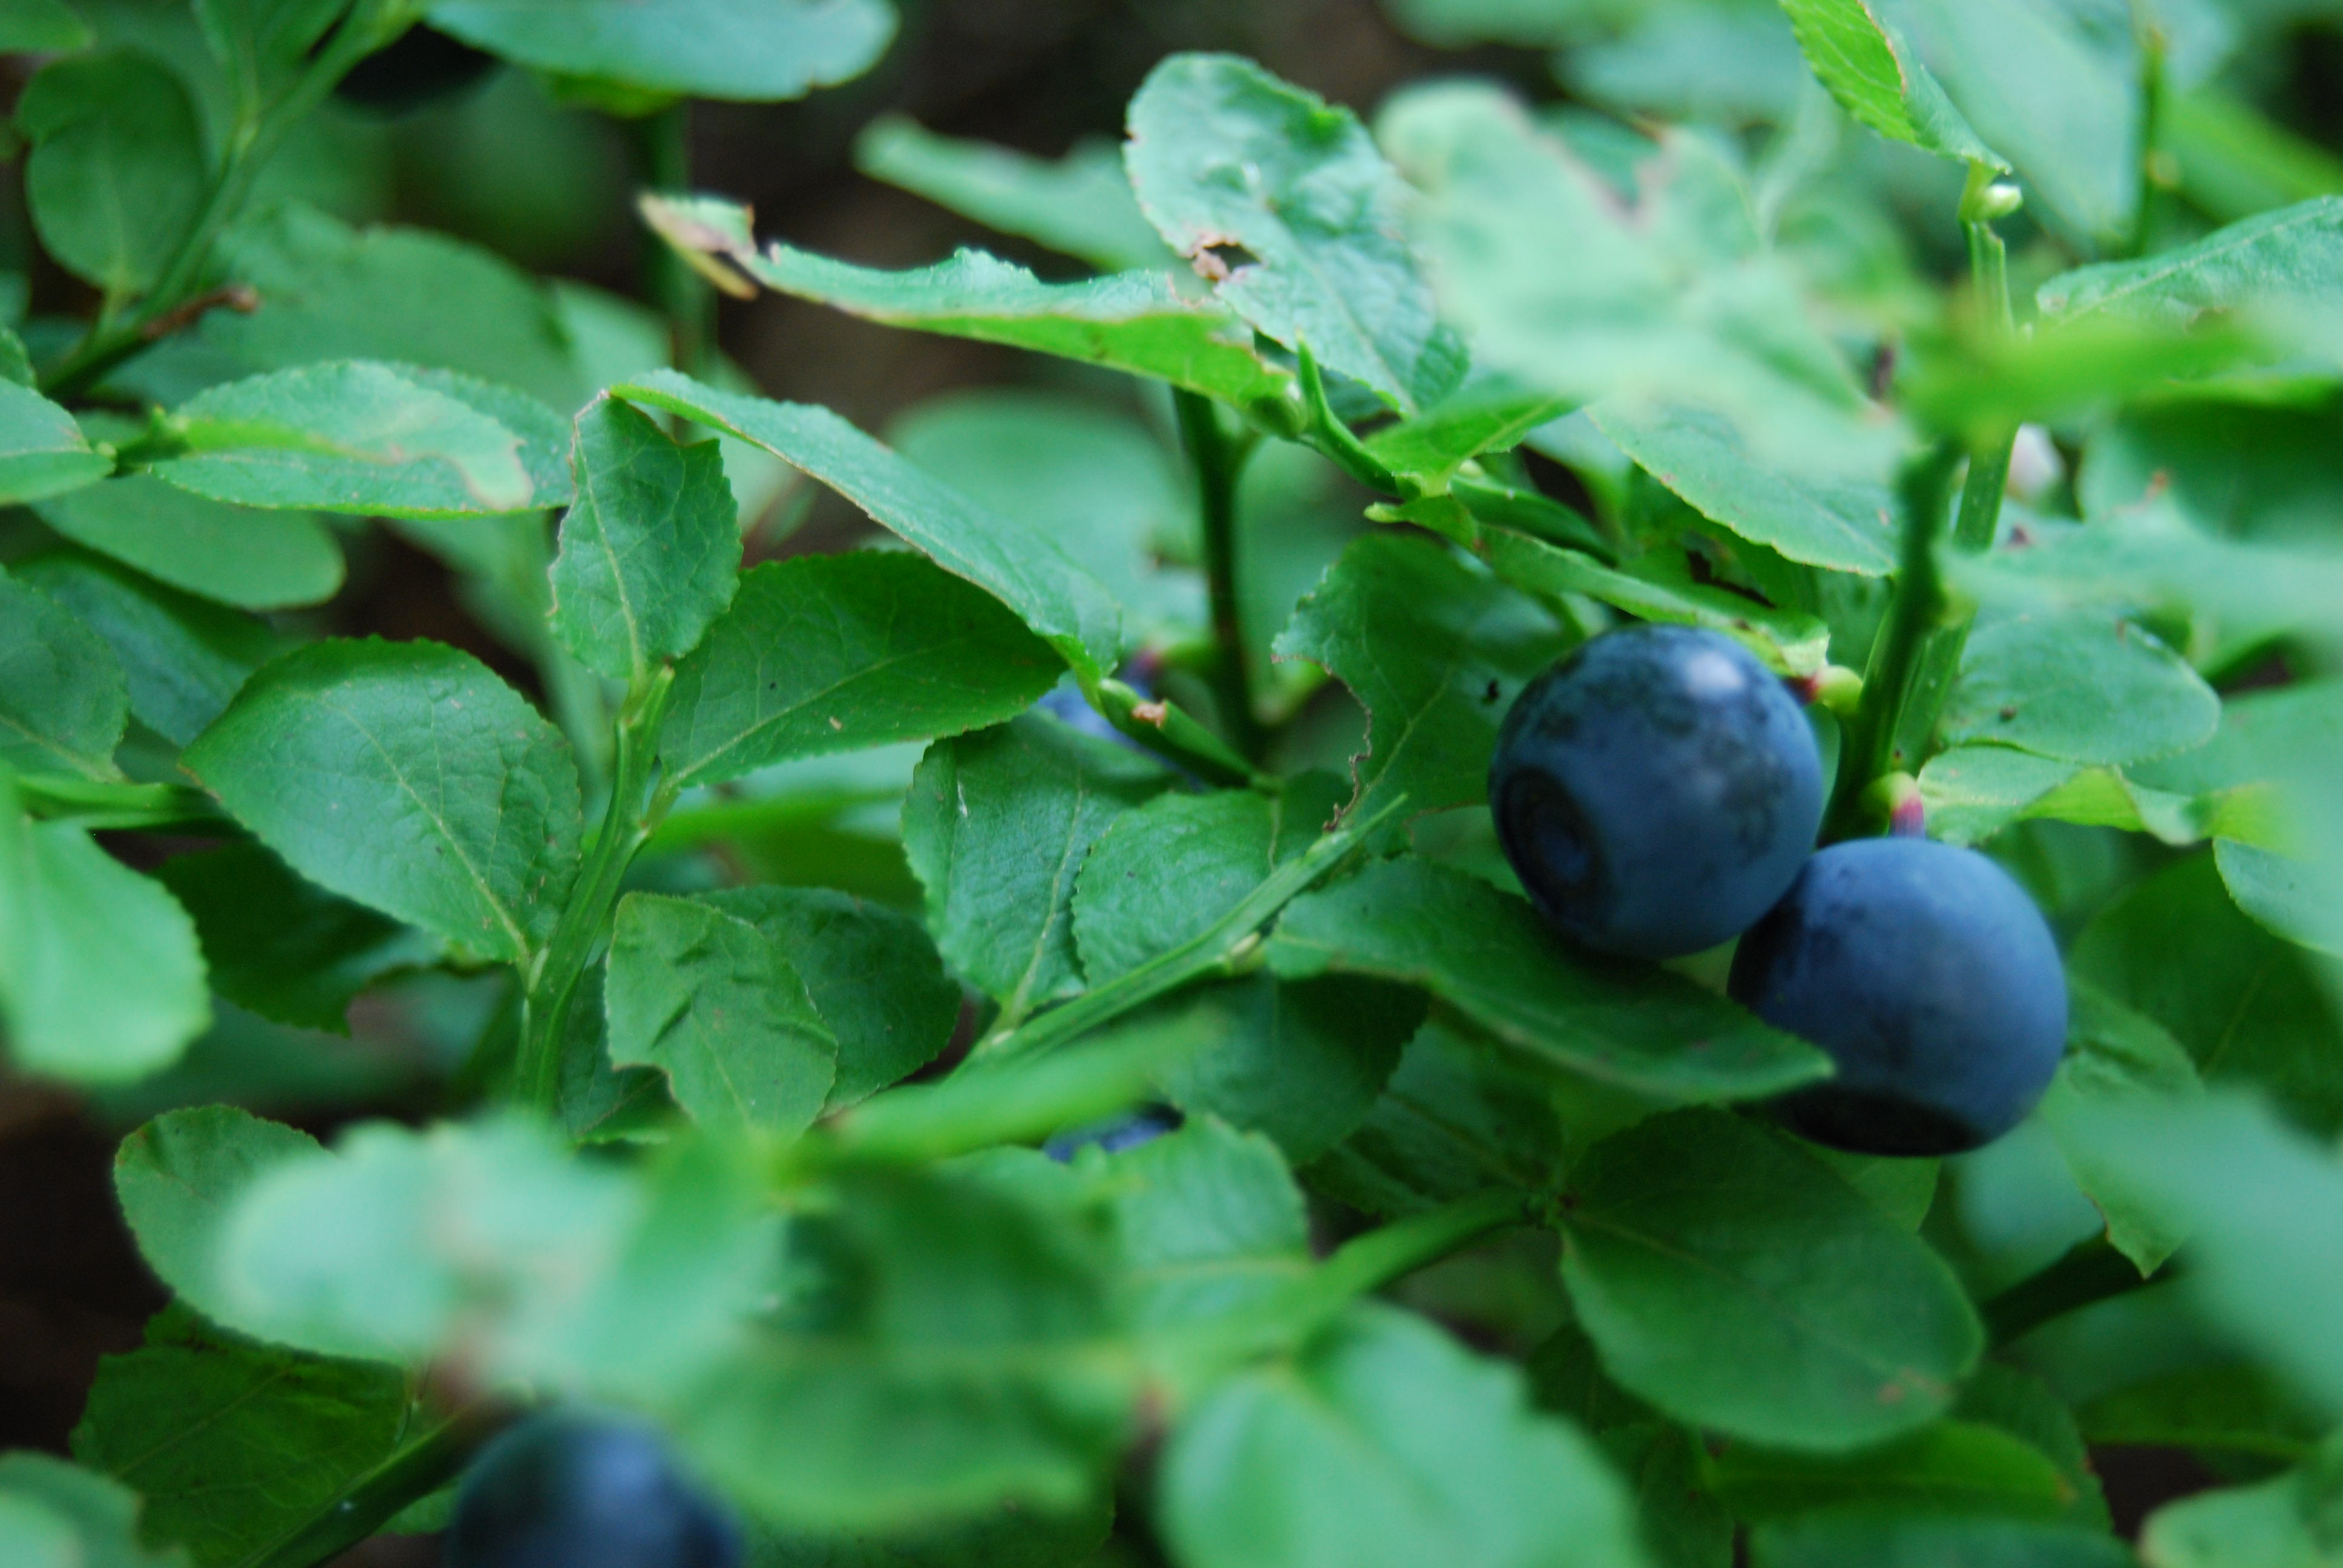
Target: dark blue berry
x=1656 y=791
x=1141 y=1126
x=1930 y=978
x=569 y=1490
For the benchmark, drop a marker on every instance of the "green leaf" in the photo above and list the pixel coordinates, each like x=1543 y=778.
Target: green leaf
x=64 y=699
x=1735 y=1282
x=1081 y=205
x=1019 y=566
x=836 y=653
x=1972 y=792
x=1953 y=1466
x=997 y=825
x=258 y=42
x=737 y=49
x=2229 y=1408
x=1286 y=206
x=184 y=658
x=407 y=777
x=1302 y=1062
x=1488 y=957
x=180 y=1176
x=1824 y=519
x=943 y=1347
x=2242 y=470
x=1485 y=414
x=234 y=1445
x=42 y=27
x=1385 y=1442
x=650 y=550
x=2259 y=1203
x=283 y=946
x=2248 y=1007
x=1164 y=874
x=2152 y=559
x=1211 y=1222
x=1434 y=652
x=118 y=170
x=2282 y=262
x=1880 y=1539
x=1573 y=294
x=2268 y=775
x=1876 y=76
x=57 y=1515
x=2271 y=1524
x=1093 y=478
x=2079 y=686
x=2015 y=1402
x=1135 y=322
x=100 y=977
x=237 y=555
x=874 y=976
x=1661 y=588
x=630 y=1280
x=2116 y=1056
x=716 y=1004
x=359 y=436
x=599 y=1100
x=1457 y=1117
x=2050 y=93
x=330 y=291
x=43 y=453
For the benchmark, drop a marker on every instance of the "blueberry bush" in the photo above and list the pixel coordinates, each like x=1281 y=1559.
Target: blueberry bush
x=1023 y=1043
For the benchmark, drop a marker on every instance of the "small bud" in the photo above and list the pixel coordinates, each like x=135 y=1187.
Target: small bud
x=1998 y=200
x=1834 y=687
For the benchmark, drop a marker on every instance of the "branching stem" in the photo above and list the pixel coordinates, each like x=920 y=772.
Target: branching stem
x=251 y=143
x=1220 y=944
x=635 y=808
x=1868 y=750
x=1938 y=657
x=663 y=147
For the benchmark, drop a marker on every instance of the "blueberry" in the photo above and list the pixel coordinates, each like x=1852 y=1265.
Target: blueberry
x=1930 y=978
x=563 y=1490
x=421 y=68
x=1656 y=791
x=1141 y=1126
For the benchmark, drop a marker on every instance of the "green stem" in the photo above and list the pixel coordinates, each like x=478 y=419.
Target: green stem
x=1980 y=516
x=663 y=147
x=371 y=1501
x=1218 y=945
x=103 y=803
x=628 y=821
x=2088 y=1273
x=1365 y=1263
x=1218 y=459
x=250 y=147
x=1868 y=750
